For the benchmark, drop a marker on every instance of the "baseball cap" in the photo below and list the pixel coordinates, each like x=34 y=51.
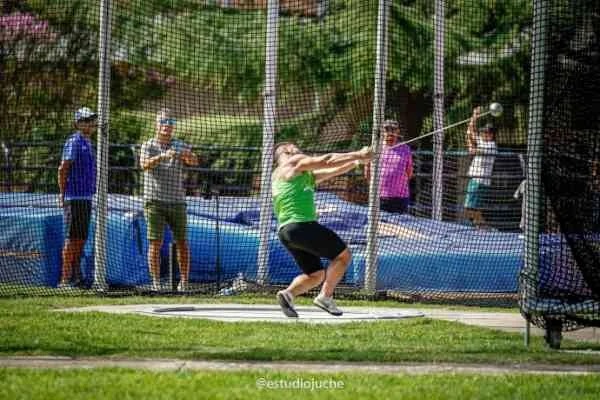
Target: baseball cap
x=165 y=117
x=84 y=114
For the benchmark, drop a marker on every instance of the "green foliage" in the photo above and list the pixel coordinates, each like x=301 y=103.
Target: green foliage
x=223 y=50
x=45 y=75
x=49 y=76
x=130 y=127
x=159 y=43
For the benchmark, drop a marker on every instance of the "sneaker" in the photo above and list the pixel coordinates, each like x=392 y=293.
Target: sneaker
x=287 y=304
x=182 y=287
x=65 y=285
x=155 y=287
x=327 y=304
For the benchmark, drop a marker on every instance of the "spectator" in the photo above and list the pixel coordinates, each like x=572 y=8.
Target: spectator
x=162 y=160
x=483 y=148
x=77 y=186
x=396 y=170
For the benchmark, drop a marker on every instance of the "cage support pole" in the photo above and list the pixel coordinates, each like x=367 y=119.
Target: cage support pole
x=100 y=249
x=535 y=148
x=437 y=189
x=269 y=121
x=378 y=115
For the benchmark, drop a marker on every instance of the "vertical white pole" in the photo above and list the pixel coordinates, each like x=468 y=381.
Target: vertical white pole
x=437 y=191
x=269 y=110
x=378 y=115
x=535 y=149
x=100 y=249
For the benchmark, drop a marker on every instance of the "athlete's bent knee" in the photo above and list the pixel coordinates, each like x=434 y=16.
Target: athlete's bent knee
x=344 y=257
x=318 y=275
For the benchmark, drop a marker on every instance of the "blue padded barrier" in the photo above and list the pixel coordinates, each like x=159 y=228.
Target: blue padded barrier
x=30 y=245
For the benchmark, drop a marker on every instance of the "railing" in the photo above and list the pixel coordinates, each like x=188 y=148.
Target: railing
x=234 y=171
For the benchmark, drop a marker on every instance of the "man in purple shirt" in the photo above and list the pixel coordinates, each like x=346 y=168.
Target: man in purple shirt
x=77 y=185
x=396 y=170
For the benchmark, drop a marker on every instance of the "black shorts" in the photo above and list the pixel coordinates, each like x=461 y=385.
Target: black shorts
x=77 y=218
x=394 y=204
x=308 y=242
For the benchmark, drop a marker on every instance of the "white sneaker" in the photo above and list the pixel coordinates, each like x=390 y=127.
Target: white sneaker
x=182 y=287
x=66 y=285
x=327 y=304
x=155 y=286
x=286 y=302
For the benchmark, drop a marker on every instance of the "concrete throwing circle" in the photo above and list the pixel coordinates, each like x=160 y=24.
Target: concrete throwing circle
x=257 y=312
x=238 y=312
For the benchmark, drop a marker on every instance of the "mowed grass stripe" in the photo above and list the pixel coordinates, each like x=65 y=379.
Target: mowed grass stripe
x=122 y=384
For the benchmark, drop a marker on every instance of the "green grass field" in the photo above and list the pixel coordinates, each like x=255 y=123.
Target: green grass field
x=33 y=326
x=128 y=384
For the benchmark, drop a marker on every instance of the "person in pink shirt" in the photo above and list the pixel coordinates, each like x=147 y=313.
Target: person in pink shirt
x=396 y=170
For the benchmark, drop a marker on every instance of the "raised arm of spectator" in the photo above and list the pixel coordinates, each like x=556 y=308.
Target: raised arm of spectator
x=472 y=131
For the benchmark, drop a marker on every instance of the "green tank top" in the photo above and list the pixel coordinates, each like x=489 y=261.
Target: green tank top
x=294 y=200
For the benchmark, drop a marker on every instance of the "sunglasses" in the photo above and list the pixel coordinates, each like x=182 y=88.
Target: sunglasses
x=168 y=121
x=88 y=121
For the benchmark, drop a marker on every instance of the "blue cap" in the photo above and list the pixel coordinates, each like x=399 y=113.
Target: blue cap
x=84 y=114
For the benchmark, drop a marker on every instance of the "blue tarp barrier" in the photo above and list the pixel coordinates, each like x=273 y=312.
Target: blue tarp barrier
x=30 y=245
x=421 y=254
x=127 y=248
x=559 y=274
x=237 y=249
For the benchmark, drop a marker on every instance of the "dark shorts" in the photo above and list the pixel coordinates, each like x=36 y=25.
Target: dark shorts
x=394 y=204
x=77 y=218
x=308 y=242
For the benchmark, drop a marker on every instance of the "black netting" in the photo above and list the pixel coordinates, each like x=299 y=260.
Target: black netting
x=191 y=131
x=567 y=283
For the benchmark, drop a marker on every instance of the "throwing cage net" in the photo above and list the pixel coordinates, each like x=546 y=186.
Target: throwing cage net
x=438 y=218
x=560 y=283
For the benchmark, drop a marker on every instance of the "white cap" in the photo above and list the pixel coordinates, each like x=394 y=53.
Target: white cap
x=84 y=113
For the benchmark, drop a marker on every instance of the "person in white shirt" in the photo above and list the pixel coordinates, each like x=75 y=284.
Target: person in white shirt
x=483 y=149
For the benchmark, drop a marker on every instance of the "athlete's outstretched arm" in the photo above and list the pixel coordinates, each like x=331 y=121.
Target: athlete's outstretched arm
x=331 y=160
x=324 y=174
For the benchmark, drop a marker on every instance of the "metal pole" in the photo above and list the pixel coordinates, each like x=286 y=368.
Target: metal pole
x=172 y=250
x=437 y=191
x=218 y=268
x=269 y=109
x=378 y=115
x=7 y=185
x=103 y=146
x=535 y=148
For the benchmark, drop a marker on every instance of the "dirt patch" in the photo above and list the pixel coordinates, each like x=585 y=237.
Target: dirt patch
x=306 y=367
